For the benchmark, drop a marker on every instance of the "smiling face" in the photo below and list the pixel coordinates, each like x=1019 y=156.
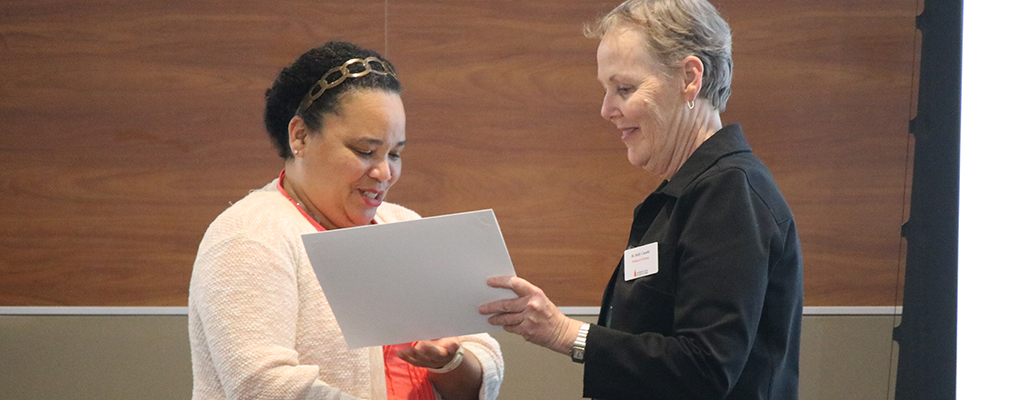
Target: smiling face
x=342 y=173
x=641 y=99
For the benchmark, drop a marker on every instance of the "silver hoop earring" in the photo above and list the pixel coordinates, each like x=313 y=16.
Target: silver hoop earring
x=690 y=104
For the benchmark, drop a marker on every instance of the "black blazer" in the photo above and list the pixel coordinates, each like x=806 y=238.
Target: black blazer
x=721 y=319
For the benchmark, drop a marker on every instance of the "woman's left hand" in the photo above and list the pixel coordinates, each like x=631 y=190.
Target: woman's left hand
x=430 y=353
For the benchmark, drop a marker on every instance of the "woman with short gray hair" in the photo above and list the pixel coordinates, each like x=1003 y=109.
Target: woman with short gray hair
x=675 y=30
x=706 y=300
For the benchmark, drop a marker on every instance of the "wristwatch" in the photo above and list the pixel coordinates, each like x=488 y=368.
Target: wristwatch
x=577 y=352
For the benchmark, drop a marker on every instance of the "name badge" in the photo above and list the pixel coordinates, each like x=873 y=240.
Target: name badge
x=641 y=261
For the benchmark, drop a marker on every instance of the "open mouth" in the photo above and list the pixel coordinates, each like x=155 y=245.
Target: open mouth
x=624 y=133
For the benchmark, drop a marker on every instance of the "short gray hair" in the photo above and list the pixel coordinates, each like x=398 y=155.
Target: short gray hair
x=676 y=29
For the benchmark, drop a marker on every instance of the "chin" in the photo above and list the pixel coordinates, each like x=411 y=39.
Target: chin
x=361 y=219
x=635 y=159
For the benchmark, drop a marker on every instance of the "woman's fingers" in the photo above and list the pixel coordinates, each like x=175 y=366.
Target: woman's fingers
x=503 y=306
x=430 y=353
x=519 y=286
x=524 y=290
x=531 y=315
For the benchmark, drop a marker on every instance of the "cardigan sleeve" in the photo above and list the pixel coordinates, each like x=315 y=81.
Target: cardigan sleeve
x=721 y=277
x=487 y=351
x=245 y=296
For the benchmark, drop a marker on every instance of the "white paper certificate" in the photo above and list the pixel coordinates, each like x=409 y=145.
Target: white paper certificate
x=411 y=280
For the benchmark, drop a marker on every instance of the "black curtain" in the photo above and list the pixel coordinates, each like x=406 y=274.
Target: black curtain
x=927 y=331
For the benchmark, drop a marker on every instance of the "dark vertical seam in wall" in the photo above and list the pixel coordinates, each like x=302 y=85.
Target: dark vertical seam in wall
x=386 y=28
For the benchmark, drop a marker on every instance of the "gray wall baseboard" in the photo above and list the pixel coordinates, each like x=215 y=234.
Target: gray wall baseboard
x=843 y=357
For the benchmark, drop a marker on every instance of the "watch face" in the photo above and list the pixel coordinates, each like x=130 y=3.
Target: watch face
x=577 y=354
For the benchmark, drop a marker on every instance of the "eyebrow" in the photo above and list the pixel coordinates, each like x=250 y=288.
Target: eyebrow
x=376 y=142
x=609 y=79
x=613 y=79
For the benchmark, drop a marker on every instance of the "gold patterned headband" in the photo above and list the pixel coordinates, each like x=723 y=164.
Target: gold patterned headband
x=363 y=66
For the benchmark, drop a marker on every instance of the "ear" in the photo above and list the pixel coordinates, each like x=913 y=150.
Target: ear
x=691 y=71
x=298 y=133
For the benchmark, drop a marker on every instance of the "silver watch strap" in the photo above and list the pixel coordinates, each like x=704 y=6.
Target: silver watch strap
x=577 y=351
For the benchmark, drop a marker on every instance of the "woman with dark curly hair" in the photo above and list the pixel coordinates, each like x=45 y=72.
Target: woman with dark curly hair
x=259 y=323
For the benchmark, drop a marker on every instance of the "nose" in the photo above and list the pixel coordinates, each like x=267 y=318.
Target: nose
x=381 y=171
x=609 y=108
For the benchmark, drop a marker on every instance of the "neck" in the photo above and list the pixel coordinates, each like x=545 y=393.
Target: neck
x=695 y=127
x=294 y=191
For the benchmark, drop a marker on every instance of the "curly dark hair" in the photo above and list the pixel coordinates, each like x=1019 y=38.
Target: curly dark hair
x=294 y=82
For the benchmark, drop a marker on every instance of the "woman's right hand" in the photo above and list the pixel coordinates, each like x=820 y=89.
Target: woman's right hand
x=531 y=315
x=429 y=353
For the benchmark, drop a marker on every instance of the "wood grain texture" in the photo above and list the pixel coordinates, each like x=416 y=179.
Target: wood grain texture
x=504 y=107
x=126 y=127
x=824 y=92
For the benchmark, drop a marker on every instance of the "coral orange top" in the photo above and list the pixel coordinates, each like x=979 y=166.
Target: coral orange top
x=403 y=381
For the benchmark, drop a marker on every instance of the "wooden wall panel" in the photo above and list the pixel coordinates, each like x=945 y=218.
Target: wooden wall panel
x=503 y=107
x=824 y=91
x=125 y=128
x=507 y=117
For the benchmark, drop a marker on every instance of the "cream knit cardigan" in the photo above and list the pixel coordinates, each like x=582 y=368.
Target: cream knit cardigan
x=260 y=325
